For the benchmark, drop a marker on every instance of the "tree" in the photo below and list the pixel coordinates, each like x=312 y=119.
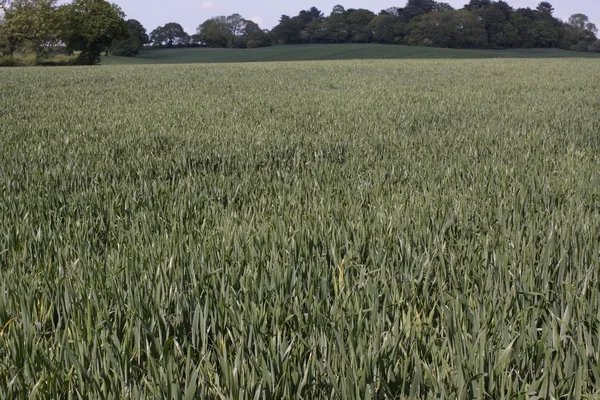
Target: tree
x=289 y=30
x=236 y=23
x=478 y=5
x=495 y=17
x=171 y=34
x=505 y=36
x=131 y=46
x=581 y=46
x=545 y=33
x=31 y=24
x=310 y=15
x=317 y=31
x=214 y=32
x=415 y=8
x=594 y=47
x=390 y=11
x=337 y=26
x=358 y=21
x=91 y=26
x=581 y=29
x=256 y=37
x=522 y=19
x=231 y=31
x=440 y=7
x=545 y=9
x=338 y=10
x=384 y=28
x=457 y=29
x=137 y=29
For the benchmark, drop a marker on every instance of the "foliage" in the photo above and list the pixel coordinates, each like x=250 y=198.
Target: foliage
x=90 y=26
x=594 y=47
x=171 y=34
x=581 y=46
x=385 y=28
x=289 y=30
x=131 y=46
x=231 y=31
x=29 y=24
x=214 y=32
x=355 y=229
x=581 y=29
x=358 y=25
x=33 y=60
x=460 y=29
x=10 y=61
x=57 y=61
x=436 y=23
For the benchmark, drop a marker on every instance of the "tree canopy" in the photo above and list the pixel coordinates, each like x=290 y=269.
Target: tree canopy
x=90 y=26
x=87 y=26
x=171 y=34
x=231 y=31
x=479 y=24
x=136 y=38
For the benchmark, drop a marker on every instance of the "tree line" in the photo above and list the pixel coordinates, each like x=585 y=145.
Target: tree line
x=479 y=24
x=482 y=24
x=223 y=31
x=90 y=27
x=233 y=31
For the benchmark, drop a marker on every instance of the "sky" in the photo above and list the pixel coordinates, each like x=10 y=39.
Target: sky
x=191 y=13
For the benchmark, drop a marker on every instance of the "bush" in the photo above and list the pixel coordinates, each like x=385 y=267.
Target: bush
x=581 y=46
x=126 y=48
x=594 y=47
x=9 y=61
x=56 y=61
x=253 y=44
x=30 y=59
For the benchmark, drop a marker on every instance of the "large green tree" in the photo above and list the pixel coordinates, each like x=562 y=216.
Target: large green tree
x=171 y=34
x=231 y=31
x=214 y=32
x=90 y=26
x=29 y=24
x=581 y=29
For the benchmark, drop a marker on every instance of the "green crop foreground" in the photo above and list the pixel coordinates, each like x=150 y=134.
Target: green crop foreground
x=352 y=229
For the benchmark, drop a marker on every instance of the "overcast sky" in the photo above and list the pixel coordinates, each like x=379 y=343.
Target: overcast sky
x=191 y=13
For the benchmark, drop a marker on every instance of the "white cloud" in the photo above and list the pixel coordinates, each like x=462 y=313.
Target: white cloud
x=208 y=5
x=258 y=20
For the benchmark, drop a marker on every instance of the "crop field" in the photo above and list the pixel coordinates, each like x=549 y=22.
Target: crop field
x=416 y=229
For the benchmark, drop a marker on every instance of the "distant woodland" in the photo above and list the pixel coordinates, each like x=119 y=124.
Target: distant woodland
x=83 y=29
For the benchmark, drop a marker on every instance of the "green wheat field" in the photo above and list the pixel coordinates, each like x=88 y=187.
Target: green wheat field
x=409 y=229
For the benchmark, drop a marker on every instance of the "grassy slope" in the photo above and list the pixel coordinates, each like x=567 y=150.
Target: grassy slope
x=328 y=52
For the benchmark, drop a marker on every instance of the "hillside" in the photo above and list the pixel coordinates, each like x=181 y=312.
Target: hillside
x=328 y=52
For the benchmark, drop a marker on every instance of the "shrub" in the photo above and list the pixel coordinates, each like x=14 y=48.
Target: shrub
x=126 y=48
x=10 y=62
x=253 y=44
x=56 y=61
x=594 y=47
x=581 y=46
